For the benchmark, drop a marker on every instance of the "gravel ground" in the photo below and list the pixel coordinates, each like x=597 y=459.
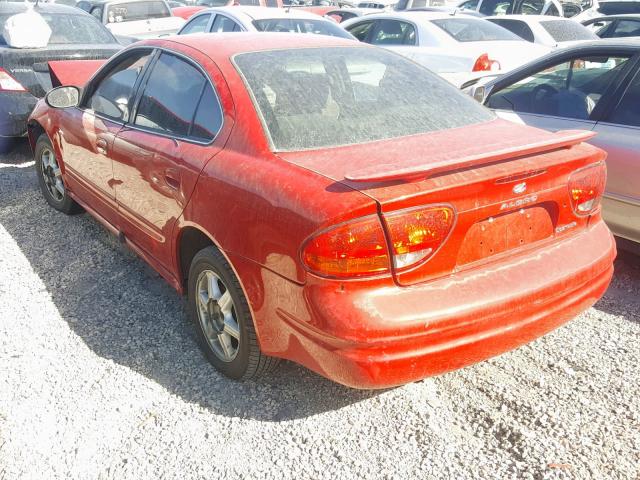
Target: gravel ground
x=100 y=377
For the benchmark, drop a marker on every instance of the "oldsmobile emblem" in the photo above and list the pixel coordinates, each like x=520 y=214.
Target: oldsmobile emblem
x=520 y=188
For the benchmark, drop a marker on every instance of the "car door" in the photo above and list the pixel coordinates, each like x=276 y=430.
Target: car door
x=619 y=134
x=89 y=131
x=160 y=152
x=569 y=94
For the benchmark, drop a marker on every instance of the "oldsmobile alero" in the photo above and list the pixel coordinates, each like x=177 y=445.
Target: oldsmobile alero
x=330 y=203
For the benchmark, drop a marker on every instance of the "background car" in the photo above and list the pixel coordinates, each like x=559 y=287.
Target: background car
x=454 y=46
x=514 y=7
x=342 y=14
x=24 y=73
x=593 y=86
x=544 y=30
x=261 y=175
x=134 y=18
x=600 y=8
x=260 y=19
x=614 y=26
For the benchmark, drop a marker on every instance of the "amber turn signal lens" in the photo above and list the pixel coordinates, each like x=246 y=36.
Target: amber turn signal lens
x=352 y=249
x=416 y=234
x=586 y=187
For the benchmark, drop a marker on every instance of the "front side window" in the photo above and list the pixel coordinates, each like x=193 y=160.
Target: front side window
x=473 y=30
x=170 y=99
x=141 y=10
x=112 y=95
x=224 y=24
x=625 y=28
x=299 y=25
x=496 y=7
x=393 y=32
x=470 y=5
x=627 y=111
x=361 y=30
x=324 y=97
x=571 y=89
x=196 y=25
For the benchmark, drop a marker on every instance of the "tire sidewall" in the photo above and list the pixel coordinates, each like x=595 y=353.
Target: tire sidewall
x=209 y=259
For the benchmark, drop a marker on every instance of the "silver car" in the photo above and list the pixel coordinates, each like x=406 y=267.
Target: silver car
x=591 y=86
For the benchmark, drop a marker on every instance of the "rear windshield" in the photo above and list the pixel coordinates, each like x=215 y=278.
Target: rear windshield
x=70 y=29
x=474 y=30
x=324 y=97
x=126 y=12
x=567 y=31
x=297 y=25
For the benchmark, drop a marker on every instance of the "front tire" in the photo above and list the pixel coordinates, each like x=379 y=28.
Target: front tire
x=222 y=318
x=50 y=178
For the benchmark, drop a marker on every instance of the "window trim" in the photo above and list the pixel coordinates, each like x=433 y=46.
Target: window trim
x=140 y=89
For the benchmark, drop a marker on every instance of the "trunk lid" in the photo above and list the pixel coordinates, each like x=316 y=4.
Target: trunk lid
x=30 y=66
x=507 y=184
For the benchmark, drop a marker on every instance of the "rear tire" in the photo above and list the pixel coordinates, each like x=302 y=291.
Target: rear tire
x=222 y=318
x=50 y=178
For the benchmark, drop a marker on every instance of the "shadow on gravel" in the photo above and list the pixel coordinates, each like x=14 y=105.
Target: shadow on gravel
x=126 y=313
x=623 y=296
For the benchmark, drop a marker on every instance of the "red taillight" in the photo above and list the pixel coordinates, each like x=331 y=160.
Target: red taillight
x=485 y=64
x=352 y=249
x=586 y=187
x=416 y=234
x=9 y=84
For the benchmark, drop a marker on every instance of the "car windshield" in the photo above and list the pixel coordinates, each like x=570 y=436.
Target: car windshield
x=474 y=30
x=298 y=25
x=326 y=97
x=70 y=29
x=126 y=12
x=567 y=30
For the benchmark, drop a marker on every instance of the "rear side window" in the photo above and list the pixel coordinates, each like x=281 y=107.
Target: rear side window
x=393 y=32
x=224 y=24
x=125 y=12
x=626 y=28
x=567 y=30
x=171 y=98
x=473 y=30
x=196 y=25
x=516 y=27
x=112 y=95
x=627 y=111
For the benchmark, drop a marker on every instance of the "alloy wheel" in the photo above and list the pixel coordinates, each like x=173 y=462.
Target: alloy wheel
x=51 y=174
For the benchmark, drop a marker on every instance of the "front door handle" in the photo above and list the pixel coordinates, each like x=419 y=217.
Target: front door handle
x=172 y=177
x=101 y=146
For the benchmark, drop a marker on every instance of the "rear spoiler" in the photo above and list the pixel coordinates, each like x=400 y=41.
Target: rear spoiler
x=73 y=72
x=440 y=162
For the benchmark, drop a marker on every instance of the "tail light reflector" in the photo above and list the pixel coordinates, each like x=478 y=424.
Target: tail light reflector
x=8 y=83
x=586 y=187
x=485 y=64
x=353 y=249
x=416 y=234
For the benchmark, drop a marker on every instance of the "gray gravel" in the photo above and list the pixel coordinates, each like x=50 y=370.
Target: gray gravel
x=100 y=377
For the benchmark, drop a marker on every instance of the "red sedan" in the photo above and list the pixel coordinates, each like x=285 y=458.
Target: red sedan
x=330 y=203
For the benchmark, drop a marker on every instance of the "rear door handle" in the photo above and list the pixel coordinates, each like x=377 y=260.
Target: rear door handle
x=101 y=146
x=172 y=177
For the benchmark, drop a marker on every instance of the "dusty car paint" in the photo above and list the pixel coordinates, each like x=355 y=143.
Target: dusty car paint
x=517 y=263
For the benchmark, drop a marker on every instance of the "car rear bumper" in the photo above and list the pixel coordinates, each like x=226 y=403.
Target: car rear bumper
x=15 y=109
x=387 y=336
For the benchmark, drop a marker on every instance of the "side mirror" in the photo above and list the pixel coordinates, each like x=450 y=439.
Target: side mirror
x=63 y=97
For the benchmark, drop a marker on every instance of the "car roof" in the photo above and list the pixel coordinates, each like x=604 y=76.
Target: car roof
x=530 y=18
x=19 y=7
x=419 y=16
x=259 y=13
x=229 y=44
